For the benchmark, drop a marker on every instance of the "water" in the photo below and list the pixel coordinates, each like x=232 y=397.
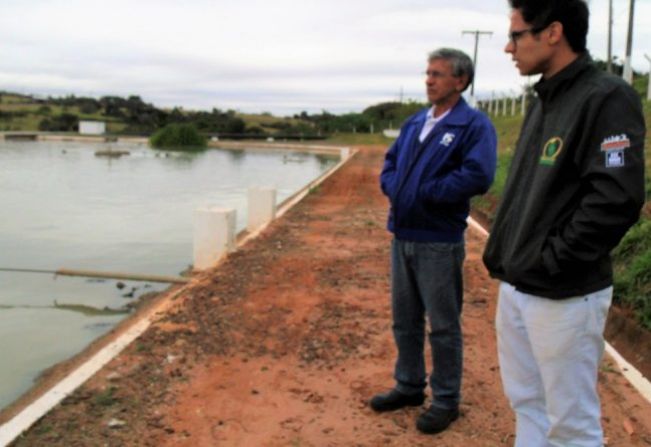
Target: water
x=63 y=207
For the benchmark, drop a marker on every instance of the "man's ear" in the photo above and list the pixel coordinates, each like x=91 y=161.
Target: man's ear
x=463 y=83
x=555 y=33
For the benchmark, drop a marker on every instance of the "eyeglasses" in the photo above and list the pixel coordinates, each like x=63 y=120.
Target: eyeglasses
x=436 y=74
x=514 y=36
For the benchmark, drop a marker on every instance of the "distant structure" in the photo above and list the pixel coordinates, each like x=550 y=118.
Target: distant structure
x=391 y=133
x=92 y=127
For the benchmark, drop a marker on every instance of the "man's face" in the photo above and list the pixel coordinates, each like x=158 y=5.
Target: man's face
x=442 y=86
x=529 y=52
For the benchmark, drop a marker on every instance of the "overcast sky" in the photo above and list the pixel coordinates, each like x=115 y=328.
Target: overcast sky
x=280 y=56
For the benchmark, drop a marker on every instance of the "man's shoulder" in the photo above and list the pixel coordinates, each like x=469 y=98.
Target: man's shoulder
x=477 y=118
x=599 y=82
x=463 y=114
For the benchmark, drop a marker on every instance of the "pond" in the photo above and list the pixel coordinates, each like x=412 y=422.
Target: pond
x=64 y=207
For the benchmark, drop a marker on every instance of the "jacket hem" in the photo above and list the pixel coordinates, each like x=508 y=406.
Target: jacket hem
x=428 y=236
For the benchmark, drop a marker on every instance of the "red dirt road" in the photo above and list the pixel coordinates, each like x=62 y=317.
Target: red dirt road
x=285 y=341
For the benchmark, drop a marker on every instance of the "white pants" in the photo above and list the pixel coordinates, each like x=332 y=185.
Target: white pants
x=549 y=353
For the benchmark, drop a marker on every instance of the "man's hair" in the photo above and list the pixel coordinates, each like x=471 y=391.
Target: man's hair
x=461 y=63
x=572 y=14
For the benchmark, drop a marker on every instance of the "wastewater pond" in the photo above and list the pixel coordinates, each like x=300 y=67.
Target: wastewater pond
x=62 y=206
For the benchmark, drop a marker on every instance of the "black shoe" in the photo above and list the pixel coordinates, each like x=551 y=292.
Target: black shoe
x=394 y=400
x=435 y=419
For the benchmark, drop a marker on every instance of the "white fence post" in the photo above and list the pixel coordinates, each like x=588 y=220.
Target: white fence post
x=214 y=235
x=262 y=207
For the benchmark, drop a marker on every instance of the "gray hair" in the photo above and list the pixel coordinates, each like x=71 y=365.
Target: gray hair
x=460 y=61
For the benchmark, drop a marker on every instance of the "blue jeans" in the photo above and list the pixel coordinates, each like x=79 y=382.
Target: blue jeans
x=427 y=279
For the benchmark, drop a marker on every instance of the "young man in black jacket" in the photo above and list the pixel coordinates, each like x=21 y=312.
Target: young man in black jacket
x=575 y=186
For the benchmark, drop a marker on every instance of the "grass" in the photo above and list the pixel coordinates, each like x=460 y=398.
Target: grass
x=106 y=398
x=360 y=139
x=28 y=114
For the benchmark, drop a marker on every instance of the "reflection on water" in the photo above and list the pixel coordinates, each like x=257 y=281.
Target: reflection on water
x=64 y=207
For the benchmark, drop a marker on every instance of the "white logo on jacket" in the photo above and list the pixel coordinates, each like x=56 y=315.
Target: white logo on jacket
x=616 y=143
x=447 y=139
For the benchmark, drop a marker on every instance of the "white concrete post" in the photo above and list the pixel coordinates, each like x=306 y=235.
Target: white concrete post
x=648 y=89
x=214 y=235
x=504 y=112
x=513 y=101
x=524 y=102
x=262 y=207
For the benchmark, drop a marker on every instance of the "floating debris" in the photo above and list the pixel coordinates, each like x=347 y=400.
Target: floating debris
x=111 y=153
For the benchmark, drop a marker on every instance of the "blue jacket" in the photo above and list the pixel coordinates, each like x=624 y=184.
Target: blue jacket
x=430 y=184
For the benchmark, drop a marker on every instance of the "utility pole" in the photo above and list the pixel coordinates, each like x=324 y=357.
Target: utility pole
x=628 y=70
x=648 y=88
x=477 y=33
x=610 y=37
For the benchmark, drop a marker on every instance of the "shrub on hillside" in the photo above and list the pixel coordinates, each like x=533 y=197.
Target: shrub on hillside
x=178 y=136
x=632 y=259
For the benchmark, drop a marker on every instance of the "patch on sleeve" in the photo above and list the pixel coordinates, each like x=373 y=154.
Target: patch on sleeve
x=614 y=148
x=614 y=159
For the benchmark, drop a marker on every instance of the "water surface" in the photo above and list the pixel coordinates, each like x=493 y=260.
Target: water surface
x=63 y=207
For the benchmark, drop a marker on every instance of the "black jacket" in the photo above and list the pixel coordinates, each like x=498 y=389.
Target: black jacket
x=575 y=186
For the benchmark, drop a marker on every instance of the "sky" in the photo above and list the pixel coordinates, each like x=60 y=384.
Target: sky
x=280 y=56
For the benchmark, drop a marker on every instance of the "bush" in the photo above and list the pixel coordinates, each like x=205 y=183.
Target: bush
x=66 y=122
x=178 y=136
x=632 y=259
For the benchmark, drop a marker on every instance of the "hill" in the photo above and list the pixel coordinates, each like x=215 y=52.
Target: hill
x=133 y=116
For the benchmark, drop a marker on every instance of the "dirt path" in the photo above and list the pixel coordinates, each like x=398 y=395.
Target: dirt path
x=283 y=344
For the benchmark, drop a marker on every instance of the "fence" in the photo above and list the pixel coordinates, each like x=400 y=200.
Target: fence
x=503 y=105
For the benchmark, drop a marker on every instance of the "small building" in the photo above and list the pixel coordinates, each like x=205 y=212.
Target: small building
x=391 y=133
x=92 y=127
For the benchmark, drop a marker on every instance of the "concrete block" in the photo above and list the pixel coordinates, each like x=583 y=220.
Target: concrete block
x=214 y=235
x=262 y=207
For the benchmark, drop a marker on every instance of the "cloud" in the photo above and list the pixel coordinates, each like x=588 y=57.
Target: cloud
x=282 y=56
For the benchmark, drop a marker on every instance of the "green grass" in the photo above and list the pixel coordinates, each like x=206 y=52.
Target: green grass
x=31 y=114
x=106 y=398
x=360 y=139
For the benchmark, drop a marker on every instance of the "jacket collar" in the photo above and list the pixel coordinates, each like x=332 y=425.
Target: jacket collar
x=460 y=115
x=547 y=89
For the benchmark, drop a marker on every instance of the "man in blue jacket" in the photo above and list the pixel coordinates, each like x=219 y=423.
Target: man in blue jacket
x=444 y=155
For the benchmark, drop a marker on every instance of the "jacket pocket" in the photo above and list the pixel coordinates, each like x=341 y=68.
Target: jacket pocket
x=527 y=261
